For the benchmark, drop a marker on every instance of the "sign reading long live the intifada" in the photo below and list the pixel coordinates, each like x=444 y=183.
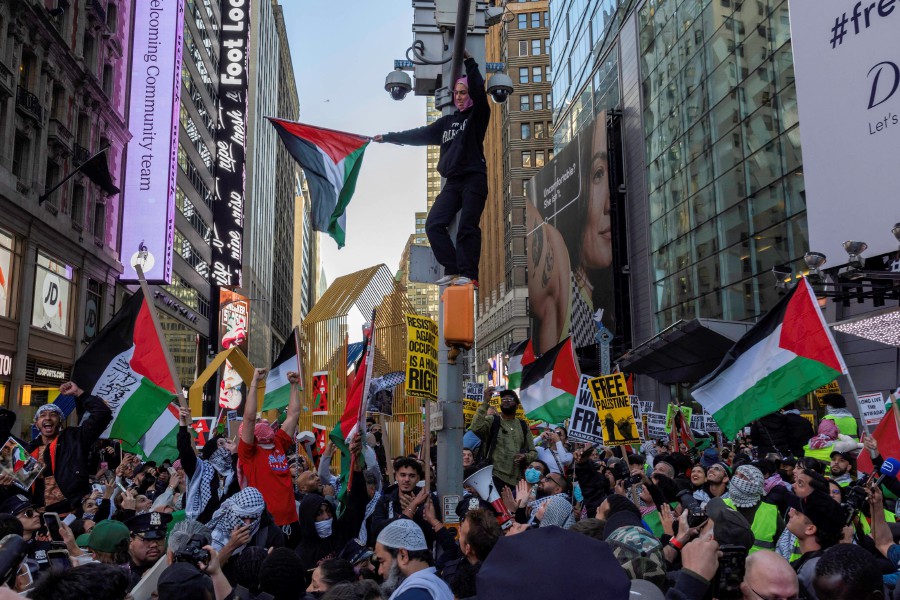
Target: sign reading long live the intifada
x=421 y=357
x=614 y=410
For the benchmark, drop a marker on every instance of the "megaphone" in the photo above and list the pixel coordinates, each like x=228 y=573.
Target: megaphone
x=482 y=481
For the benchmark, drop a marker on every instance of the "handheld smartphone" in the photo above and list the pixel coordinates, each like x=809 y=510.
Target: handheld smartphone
x=98 y=487
x=53 y=523
x=121 y=487
x=726 y=584
x=59 y=560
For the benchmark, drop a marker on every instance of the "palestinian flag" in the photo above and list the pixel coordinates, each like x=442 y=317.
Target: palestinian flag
x=549 y=384
x=520 y=354
x=125 y=366
x=278 y=389
x=788 y=353
x=331 y=161
x=161 y=440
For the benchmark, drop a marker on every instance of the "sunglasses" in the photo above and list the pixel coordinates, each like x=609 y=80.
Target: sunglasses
x=28 y=513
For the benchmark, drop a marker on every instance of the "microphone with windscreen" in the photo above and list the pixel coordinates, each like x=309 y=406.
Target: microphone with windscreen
x=889 y=468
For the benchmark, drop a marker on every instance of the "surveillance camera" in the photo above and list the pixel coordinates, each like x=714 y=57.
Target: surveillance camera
x=500 y=87
x=397 y=84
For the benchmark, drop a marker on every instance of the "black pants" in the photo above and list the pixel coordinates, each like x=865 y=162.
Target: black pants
x=465 y=195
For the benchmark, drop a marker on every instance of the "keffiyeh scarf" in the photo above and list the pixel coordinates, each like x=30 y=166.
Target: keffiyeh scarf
x=248 y=503
x=199 y=490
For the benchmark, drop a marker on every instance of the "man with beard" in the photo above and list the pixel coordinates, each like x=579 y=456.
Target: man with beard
x=211 y=476
x=64 y=452
x=405 y=564
x=843 y=468
x=717 y=478
x=506 y=441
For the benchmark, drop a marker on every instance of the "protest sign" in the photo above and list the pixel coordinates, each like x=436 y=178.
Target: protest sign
x=687 y=411
x=871 y=408
x=656 y=425
x=421 y=357
x=831 y=388
x=613 y=403
x=584 y=426
x=711 y=425
x=473 y=399
x=810 y=415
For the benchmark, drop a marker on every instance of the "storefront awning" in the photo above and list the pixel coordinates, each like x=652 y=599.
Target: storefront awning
x=684 y=352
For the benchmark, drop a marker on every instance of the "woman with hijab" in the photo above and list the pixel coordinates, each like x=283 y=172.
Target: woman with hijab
x=461 y=138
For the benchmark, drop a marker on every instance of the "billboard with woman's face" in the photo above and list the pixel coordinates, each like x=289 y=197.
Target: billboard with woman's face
x=570 y=242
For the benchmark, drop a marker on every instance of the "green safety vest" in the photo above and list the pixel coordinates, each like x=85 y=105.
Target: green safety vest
x=845 y=425
x=795 y=551
x=867 y=527
x=764 y=526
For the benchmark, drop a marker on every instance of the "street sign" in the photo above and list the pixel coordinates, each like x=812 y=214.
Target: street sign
x=450 y=501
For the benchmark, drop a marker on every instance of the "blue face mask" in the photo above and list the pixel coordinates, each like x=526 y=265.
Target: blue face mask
x=577 y=493
x=532 y=475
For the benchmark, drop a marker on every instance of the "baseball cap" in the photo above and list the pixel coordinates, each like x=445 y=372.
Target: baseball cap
x=639 y=553
x=184 y=581
x=106 y=536
x=826 y=514
x=850 y=457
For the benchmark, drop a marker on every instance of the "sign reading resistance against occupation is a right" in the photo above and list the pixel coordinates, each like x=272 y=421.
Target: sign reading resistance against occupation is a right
x=614 y=410
x=421 y=357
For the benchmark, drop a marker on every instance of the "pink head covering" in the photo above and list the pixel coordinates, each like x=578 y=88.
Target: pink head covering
x=465 y=81
x=263 y=432
x=828 y=432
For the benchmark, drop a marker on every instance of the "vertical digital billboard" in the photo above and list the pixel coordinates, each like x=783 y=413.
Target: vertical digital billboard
x=148 y=216
x=228 y=209
x=570 y=245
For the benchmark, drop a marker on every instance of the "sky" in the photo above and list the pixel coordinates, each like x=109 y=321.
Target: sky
x=341 y=53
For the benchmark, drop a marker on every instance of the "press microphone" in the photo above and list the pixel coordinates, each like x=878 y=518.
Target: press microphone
x=889 y=468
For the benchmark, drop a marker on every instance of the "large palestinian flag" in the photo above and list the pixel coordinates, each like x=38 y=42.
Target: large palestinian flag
x=278 y=388
x=788 y=353
x=126 y=367
x=331 y=161
x=550 y=383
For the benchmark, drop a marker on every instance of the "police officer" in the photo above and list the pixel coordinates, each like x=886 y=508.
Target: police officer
x=148 y=541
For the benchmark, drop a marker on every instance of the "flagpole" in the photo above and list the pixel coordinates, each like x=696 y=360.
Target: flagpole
x=74 y=172
x=170 y=362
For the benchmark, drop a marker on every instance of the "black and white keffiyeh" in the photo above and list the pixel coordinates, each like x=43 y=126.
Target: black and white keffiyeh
x=199 y=489
x=249 y=504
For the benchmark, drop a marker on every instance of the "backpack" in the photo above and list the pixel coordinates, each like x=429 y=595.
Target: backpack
x=485 y=454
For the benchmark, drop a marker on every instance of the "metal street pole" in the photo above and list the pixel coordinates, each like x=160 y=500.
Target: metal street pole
x=450 y=388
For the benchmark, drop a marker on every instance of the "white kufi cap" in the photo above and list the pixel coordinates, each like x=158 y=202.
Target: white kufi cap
x=403 y=533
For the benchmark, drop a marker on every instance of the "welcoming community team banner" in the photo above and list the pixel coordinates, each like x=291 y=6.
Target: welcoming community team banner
x=847 y=71
x=568 y=213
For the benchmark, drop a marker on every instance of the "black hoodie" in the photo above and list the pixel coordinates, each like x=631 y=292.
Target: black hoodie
x=460 y=135
x=312 y=548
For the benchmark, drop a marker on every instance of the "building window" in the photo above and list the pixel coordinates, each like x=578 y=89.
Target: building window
x=77 y=212
x=538 y=158
x=535 y=20
x=20 y=154
x=6 y=252
x=539 y=133
x=52 y=291
x=523 y=21
x=538 y=102
x=524 y=103
x=526 y=160
x=98 y=223
x=523 y=74
x=537 y=74
x=546 y=18
x=523 y=48
x=535 y=47
x=526 y=131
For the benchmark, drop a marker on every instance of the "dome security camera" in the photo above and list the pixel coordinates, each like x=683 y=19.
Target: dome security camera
x=500 y=86
x=397 y=84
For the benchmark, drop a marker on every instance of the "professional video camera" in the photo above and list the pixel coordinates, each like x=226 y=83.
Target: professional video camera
x=697 y=516
x=194 y=553
x=621 y=473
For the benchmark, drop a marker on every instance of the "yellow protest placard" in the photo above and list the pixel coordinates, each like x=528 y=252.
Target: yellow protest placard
x=614 y=410
x=832 y=388
x=421 y=357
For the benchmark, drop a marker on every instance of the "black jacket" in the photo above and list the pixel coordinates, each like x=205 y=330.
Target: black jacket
x=594 y=486
x=312 y=548
x=770 y=434
x=460 y=135
x=72 y=450
x=389 y=509
x=799 y=432
x=189 y=464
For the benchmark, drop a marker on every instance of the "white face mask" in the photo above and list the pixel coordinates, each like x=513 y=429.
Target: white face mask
x=323 y=528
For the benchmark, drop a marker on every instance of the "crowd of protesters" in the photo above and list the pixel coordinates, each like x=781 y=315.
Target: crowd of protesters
x=768 y=516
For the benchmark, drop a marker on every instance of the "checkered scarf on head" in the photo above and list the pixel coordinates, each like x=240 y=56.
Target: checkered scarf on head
x=248 y=503
x=558 y=512
x=199 y=491
x=746 y=491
